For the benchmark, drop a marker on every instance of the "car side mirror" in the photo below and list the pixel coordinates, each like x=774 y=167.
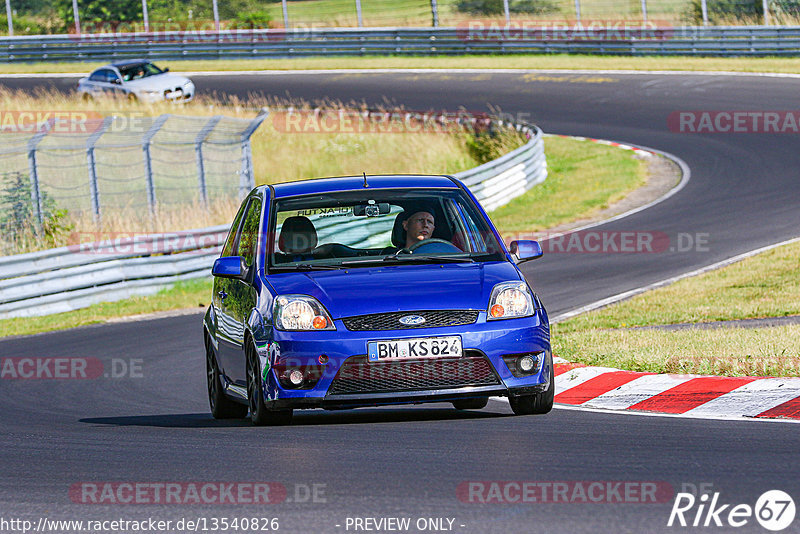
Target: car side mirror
x=116 y=81
x=166 y=69
x=526 y=250
x=229 y=267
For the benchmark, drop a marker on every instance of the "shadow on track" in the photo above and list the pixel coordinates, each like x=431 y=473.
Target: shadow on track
x=308 y=418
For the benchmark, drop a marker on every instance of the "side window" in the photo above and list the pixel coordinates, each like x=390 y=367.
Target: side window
x=249 y=237
x=98 y=75
x=111 y=76
x=227 y=249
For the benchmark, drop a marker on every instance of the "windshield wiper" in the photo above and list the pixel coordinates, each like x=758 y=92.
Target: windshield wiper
x=411 y=258
x=305 y=267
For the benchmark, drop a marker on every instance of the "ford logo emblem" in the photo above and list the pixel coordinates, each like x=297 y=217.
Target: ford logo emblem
x=412 y=320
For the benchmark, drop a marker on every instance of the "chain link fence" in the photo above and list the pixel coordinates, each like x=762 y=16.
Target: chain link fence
x=119 y=166
x=204 y=15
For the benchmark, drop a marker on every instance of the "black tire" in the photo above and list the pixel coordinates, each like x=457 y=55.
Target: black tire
x=471 y=404
x=86 y=97
x=132 y=97
x=260 y=415
x=538 y=403
x=221 y=406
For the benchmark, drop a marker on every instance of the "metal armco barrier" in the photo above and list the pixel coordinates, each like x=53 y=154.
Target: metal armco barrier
x=243 y=44
x=69 y=278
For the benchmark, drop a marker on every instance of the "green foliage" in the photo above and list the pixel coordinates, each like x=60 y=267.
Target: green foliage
x=495 y=7
x=253 y=20
x=33 y=25
x=486 y=146
x=727 y=11
x=18 y=218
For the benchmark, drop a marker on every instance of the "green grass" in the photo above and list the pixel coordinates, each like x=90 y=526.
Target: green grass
x=773 y=351
x=550 y=61
x=582 y=178
x=570 y=164
x=766 y=285
x=189 y=294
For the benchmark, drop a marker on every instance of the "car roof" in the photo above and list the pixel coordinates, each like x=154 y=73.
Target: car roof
x=126 y=62
x=356 y=183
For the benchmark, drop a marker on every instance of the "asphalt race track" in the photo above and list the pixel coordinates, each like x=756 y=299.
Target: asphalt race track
x=153 y=425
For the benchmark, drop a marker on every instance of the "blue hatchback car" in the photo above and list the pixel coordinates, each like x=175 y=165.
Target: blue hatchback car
x=363 y=291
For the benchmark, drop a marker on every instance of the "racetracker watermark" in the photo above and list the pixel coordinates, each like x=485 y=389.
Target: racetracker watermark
x=134 y=243
x=69 y=368
x=728 y=122
x=195 y=492
x=616 y=242
x=66 y=122
x=563 y=30
x=564 y=492
x=361 y=121
x=173 y=31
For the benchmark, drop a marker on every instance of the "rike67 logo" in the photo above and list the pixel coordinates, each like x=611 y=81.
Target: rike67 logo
x=774 y=510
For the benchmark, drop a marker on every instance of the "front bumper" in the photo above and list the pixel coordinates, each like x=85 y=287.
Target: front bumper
x=410 y=381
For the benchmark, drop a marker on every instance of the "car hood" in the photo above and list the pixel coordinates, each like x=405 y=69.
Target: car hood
x=393 y=288
x=159 y=82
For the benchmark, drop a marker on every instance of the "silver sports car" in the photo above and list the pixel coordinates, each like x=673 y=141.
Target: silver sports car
x=138 y=80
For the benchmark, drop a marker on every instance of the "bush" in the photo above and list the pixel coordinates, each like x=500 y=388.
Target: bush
x=720 y=11
x=484 y=146
x=495 y=7
x=18 y=219
x=254 y=20
x=33 y=25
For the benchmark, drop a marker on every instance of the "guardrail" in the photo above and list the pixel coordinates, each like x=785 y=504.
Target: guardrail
x=73 y=277
x=483 y=39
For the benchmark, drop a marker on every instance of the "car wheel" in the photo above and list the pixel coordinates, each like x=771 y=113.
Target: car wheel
x=539 y=403
x=132 y=97
x=221 y=406
x=471 y=404
x=259 y=413
x=86 y=97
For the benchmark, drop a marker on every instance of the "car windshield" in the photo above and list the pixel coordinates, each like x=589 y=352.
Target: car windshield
x=138 y=70
x=365 y=228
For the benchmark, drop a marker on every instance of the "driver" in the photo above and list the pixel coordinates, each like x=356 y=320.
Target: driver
x=419 y=226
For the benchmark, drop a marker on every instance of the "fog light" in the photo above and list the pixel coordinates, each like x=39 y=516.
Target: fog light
x=323 y=359
x=296 y=377
x=526 y=364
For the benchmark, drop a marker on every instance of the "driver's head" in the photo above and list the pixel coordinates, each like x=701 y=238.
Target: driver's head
x=419 y=226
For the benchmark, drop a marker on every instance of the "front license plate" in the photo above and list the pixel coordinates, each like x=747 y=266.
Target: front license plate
x=424 y=347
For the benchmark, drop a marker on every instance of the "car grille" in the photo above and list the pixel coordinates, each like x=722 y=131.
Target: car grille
x=358 y=376
x=391 y=321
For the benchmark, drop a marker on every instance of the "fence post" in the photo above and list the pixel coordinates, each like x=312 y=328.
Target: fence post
x=216 y=14
x=90 y=159
x=247 y=180
x=148 y=164
x=578 y=11
x=765 y=6
x=285 y=14
x=506 y=11
x=36 y=197
x=358 y=13
x=76 y=16
x=644 y=10
x=202 y=135
x=145 y=16
x=435 y=13
x=8 y=16
x=704 y=8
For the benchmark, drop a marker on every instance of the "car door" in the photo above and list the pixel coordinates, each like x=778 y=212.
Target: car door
x=222 y=289
x=98 y=82
x=241 y=295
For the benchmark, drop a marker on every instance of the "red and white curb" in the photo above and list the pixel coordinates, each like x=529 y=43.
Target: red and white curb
x=636 y=149
x=607 y=388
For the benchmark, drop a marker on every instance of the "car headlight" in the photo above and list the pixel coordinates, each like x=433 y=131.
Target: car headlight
x=510 y=300
x=300 y=312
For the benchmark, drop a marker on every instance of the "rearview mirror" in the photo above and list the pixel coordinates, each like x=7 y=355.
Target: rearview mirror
x=166 y=69
x=371 y=210
x=229 y=267
x=526 y=250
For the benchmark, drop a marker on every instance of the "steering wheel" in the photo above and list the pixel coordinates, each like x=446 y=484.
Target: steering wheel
x=434 y=241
